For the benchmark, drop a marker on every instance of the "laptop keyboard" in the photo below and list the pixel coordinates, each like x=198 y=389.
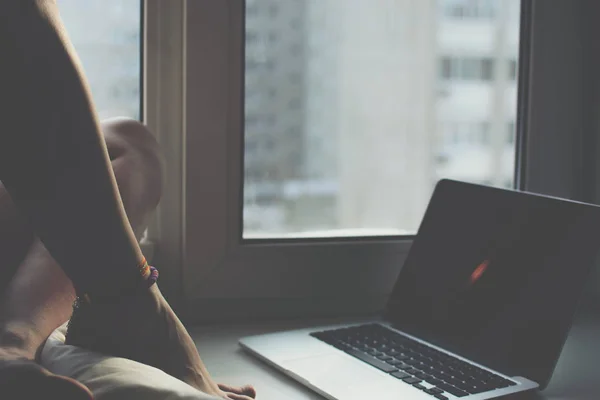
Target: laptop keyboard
x=426 y=368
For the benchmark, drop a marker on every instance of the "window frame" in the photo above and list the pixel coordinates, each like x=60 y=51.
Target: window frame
x=164 y=114
x=194 y=87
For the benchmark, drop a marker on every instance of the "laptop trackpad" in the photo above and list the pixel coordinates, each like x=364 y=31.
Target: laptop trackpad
x=340 y=375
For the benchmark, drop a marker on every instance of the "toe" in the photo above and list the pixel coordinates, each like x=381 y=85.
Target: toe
x=248 y=391
x=235 y=396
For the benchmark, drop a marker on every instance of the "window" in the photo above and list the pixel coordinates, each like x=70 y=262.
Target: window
x=251 y=38
x=487 y=69
x=252 y=8
x=106 y=35
x=513 y=70
x=469 y=69
x=295 y=76
x=446 y=68
x=295 y=103
x=315 y=270
x=376 y=161
x=511 y=132
x=273 y=10
x=459 y=68
x=469 y=8
x=253 y=120
x=465 y=134
x=484 y=128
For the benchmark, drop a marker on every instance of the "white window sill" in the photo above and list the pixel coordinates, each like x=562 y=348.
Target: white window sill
x=574 y=377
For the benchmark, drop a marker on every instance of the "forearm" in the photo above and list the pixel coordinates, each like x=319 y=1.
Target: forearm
x=53 y=160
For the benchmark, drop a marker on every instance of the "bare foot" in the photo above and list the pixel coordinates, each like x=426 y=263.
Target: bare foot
x=22 y=378
x=144 y=328
x=242 y=393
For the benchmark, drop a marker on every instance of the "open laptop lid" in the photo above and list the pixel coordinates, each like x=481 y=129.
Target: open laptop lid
x=495 y=276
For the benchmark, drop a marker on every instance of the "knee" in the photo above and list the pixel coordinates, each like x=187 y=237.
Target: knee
x=135 y=156
x=127 y=137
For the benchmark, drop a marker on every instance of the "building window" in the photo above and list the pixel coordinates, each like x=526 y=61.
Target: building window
x=296 y=49
x=483 y=9
x=273 y=10
x=295 y=103
x=272 y=37
x=251 y=38
x=512 y=133
x=446 y=68
x=252 y=9
x=467 y=68
x=484 y=129
x=295 y=77
x=467 y=133
x=295 y=23
x=487 y=69
x=252 y=64
x=252 y=120
x=513 y=69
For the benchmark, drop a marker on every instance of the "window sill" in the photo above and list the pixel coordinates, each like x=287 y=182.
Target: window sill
x=574 y=377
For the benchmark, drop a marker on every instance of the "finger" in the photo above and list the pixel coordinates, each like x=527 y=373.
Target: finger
x=247 y=390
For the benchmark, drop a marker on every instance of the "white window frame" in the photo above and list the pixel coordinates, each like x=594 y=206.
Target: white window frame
x=194 y=87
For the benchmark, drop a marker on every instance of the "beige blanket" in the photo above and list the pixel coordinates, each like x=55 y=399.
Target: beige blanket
x=113 y=378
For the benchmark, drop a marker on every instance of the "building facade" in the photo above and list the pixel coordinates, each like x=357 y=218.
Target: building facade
x=388 y=97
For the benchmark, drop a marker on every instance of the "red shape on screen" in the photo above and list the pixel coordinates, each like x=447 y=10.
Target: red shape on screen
x=479 y=271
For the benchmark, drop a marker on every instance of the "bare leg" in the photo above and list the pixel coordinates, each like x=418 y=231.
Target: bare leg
x=15 y=239
x=53 y=159
x=40 y=296
x=18 y=341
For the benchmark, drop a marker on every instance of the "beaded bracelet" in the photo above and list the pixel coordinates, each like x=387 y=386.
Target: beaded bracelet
x=153 y=276
x=144 y=268
x=148 y=272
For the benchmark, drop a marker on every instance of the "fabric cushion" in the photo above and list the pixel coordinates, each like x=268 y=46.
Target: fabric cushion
x=113 y=378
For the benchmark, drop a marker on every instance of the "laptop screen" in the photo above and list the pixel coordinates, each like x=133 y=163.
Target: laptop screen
x=495 y=276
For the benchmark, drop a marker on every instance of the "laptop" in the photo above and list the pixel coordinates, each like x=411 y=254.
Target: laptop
x=480 y=310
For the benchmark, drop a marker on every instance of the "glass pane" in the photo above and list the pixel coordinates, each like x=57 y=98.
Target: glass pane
x=356 y=108
x=106 y=35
